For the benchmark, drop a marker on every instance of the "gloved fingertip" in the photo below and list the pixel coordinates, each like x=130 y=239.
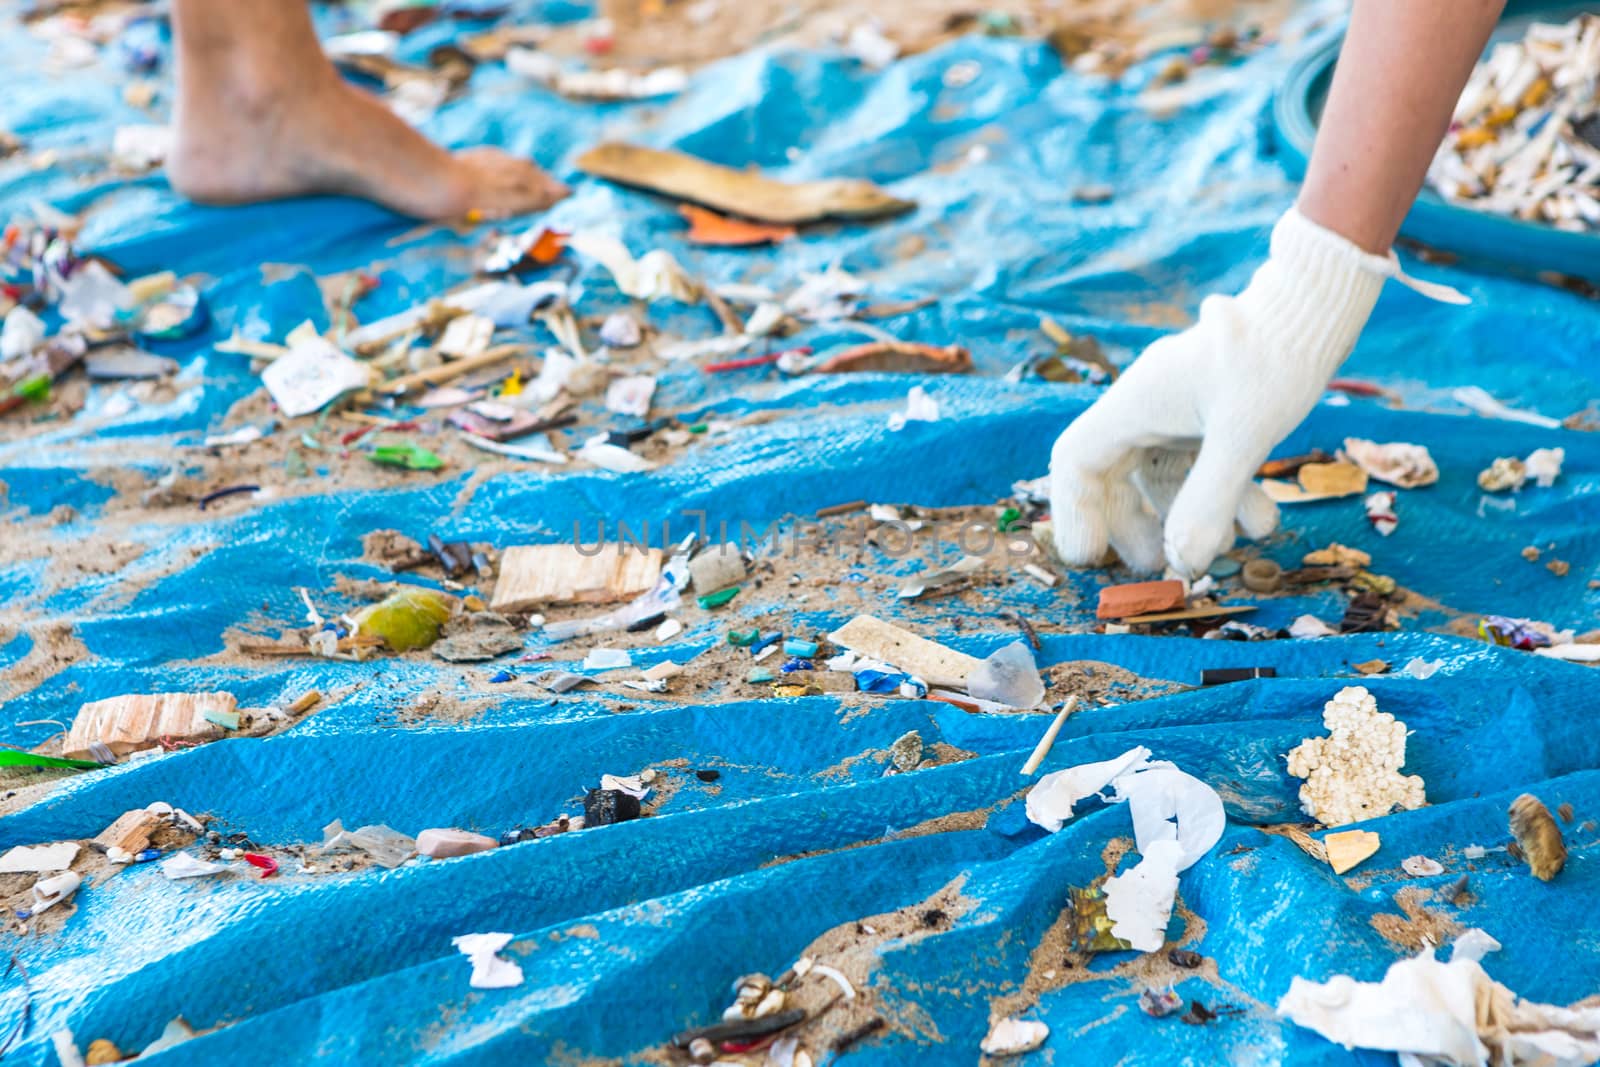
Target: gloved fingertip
x=1078 y=543
x=1258 y=513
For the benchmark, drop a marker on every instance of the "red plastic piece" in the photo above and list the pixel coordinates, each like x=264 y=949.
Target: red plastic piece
x=268 y=865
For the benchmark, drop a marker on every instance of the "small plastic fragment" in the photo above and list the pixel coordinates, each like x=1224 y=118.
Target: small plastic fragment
x=266 y=864
x=1224 y=675
x=406 y=454
x=1009 y=677
x=1421 y=866
x=1159 y=1003
x=48 y=892
x=1012 y=1037
x=489 y=969
x=717 y=600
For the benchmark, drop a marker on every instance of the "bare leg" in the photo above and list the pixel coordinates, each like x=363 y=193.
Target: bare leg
x=261 y=113
x=1402 y=68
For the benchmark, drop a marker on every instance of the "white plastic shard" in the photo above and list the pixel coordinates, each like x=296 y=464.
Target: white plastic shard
x=1012 y=1037
x=1052 y=801
x=1444 y=1015
x=182 y=865
x=1544 y=465
x=1473 y=945
x=1139 y=900
x=489 y=971
x=1476 y=398
x=920 y=407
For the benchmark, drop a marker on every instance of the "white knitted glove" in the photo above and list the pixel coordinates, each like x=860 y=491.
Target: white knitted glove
x=1177 y=439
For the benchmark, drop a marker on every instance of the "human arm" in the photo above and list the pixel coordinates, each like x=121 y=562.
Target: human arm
x=1161 y=466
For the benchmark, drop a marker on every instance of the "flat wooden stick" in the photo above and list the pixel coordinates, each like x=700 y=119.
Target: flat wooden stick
x=1042 y=749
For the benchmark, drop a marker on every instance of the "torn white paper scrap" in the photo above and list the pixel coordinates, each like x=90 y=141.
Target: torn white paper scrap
x=653 y=276
x=1139 y=901
x=489 y=971
x=1169 y=805
x=466 y=336
x=1051 y=802
x=313 y=375
x=631 y=784
x=1444 y=1013
x=36 y=859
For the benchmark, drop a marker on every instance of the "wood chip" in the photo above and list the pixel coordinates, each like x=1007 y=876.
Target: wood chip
x=1213 y=612
x=737 y=192
x=131 y=832
x=533 y=576
x=133 y=723
x=899 y=357
x=1347 y=848
x=1318 y=481
x=928 y=660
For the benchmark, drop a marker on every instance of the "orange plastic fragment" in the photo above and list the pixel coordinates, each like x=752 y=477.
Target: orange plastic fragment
x=710 y=228
x=546 y=248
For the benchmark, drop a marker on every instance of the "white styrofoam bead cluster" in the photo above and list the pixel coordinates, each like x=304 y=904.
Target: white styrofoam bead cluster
x=1354 y=772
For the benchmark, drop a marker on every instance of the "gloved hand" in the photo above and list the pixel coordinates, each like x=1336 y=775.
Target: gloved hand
x=1162 y=465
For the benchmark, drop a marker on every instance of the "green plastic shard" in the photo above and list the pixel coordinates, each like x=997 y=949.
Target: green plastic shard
x=10 y=757
x=410 y=456
x=717 y=599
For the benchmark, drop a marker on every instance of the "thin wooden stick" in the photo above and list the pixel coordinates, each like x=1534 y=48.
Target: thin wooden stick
x=1042 y=749
x=449 y=371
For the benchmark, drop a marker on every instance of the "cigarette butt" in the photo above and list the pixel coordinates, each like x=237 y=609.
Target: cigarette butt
x=305 y=703
x=1042 y=749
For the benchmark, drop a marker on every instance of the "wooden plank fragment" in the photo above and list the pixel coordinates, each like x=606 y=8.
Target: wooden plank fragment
x=928 y=660
x=533 y=576
x=135 y=722
x=738 y=192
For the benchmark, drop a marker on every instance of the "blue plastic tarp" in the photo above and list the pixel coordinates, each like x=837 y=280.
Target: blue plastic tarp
x=629 y=933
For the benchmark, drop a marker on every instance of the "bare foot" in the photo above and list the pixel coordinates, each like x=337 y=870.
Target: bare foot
x=239 y=142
